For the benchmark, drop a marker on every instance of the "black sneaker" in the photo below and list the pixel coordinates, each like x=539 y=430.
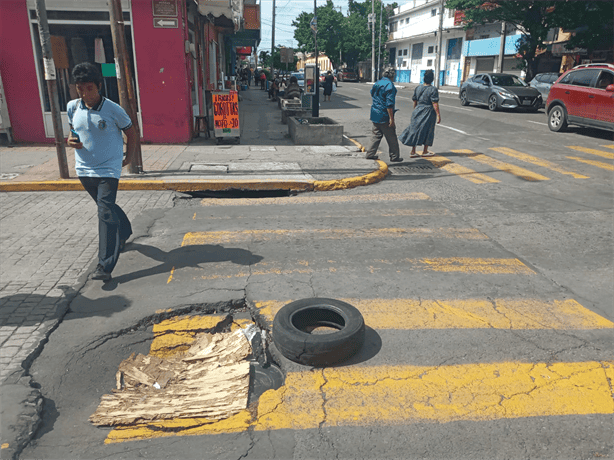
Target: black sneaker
x=100 y=274
x=396 y=160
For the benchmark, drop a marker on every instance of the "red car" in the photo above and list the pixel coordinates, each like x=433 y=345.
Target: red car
x=582 y=96
x=347 y=75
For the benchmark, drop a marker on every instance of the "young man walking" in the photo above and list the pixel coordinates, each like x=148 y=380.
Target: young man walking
x=96 y=125
x=382 y=117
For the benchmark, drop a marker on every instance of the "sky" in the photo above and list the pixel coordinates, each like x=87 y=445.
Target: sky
x=286 y=12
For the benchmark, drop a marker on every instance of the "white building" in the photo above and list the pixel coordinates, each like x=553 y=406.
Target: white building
x=413 y=42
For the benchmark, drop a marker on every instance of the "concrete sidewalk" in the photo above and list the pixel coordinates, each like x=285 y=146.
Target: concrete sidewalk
x=266 y=159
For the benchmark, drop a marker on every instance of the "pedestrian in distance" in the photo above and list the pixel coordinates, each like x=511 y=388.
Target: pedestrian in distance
x=249 y=77
x=262 y=79
x=96 y=126
x=421 y=130
x=329 y=81
x=384 y=94
x=256 y=77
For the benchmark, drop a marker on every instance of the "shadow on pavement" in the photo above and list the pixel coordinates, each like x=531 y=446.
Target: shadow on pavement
x=183 y=257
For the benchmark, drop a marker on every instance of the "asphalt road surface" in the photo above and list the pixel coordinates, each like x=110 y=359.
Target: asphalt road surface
x=484 y=275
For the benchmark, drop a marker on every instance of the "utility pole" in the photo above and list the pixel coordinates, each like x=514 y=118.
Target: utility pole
x=52 y=86
x=124 y=80
x=273 y=39
x=439 y=42
x=502 y=48
x=373 y=41
x=379 y=46
x=315 y=107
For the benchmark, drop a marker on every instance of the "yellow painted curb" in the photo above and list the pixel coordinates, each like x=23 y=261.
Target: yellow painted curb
x=351 y=182
x=72 y=185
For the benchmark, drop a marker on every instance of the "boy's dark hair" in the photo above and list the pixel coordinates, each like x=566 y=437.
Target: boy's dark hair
x=429 y=76
x=86 y=72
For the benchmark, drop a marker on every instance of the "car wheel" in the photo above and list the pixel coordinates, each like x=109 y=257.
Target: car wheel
x=492 y=103
x=463 y=98
x=557 y=118
x=294 y=323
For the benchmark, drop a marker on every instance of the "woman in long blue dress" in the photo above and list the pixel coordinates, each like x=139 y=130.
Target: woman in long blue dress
x=421 y=130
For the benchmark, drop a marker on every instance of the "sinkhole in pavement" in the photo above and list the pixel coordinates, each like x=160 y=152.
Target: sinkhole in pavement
x=199 y=367
x=237 y=194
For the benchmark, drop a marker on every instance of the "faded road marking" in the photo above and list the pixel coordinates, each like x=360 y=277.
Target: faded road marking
x=466 y=265
x=193 y=238
x=599 y=153
x=507 y=167
x=303 y=199
x=461 y=171
x=536 y=161
x=515 y=314
x=598 y=164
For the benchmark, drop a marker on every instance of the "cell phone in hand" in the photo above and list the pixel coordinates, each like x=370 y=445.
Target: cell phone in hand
x=74 y=134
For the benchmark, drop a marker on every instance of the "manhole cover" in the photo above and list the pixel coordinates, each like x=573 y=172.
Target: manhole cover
x=412 y=169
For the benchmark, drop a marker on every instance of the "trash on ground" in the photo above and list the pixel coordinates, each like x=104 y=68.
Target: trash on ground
x=209 y=380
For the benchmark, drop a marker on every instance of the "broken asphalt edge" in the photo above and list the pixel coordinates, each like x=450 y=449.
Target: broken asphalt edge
x=74 y=185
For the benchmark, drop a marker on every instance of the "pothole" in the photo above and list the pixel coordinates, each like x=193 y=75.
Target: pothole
x=237 y=194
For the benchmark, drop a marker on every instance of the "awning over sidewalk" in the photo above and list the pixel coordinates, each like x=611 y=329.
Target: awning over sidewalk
x=231 y=10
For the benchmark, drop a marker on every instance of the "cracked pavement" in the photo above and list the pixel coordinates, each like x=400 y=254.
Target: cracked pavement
x=423 y=386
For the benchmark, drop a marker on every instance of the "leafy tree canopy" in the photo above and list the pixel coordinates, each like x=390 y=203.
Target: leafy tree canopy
x=349 y=34
x=534 y=19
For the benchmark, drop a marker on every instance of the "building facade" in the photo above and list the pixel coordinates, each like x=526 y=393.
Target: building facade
x=412 y=42
x=179 y=52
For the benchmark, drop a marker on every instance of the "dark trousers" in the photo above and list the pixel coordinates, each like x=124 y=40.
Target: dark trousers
x=113 y=224
x=384 y=130
x=262 y=84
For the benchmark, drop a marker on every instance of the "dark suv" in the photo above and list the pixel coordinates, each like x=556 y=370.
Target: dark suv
x=583 y=96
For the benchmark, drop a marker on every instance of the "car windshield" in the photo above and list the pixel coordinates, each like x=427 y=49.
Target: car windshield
x=507 y=80
x=299 y=75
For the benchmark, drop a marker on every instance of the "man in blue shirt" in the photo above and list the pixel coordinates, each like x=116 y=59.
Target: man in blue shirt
x=382 y=117
x=96 y=125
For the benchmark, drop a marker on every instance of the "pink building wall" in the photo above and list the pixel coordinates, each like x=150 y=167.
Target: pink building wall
x=19 y=73
x=164 y=91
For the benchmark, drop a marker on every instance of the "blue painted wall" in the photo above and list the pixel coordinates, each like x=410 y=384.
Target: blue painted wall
x=403 y=76
x=490 y=46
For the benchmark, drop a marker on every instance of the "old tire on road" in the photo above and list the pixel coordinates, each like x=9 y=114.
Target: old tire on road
x=295 y=321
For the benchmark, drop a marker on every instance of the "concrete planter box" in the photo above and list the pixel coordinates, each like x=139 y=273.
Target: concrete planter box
x=317 y=131
x=293 y=111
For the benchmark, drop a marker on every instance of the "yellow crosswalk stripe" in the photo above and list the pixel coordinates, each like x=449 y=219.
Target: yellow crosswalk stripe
x=310 y=199
x=466 y=265
x=536 y=161
x=599 y=153
x=193 y=238
x=598 y=164
x=514 y=314
x=381 y=395
x=611 y=146
x=402 y=395
x=461 y=171
x=507 y=167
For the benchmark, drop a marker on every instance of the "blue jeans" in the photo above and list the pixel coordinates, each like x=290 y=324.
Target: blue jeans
x=113 y=224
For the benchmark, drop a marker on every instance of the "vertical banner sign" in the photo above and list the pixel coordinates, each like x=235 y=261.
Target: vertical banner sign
x=226 y=113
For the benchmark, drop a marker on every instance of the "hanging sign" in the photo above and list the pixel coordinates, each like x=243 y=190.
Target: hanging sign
x=225 y=113
x=244 y=50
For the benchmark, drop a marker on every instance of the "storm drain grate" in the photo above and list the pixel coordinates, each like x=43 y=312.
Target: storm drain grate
x=412 y=169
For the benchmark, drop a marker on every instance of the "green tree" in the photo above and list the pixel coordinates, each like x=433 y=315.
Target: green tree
x=349 y=34
x=535 y=18
x=265 y=60
x=330 y=28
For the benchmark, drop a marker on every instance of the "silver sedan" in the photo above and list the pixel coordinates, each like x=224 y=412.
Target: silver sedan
x=500 y=90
